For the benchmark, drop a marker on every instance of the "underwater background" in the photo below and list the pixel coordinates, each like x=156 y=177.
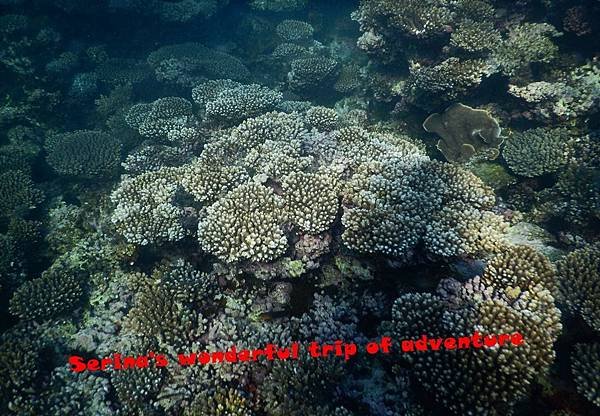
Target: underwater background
x=187 y=175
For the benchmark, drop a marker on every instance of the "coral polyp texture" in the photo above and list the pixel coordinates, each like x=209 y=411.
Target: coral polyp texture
x=187 y=183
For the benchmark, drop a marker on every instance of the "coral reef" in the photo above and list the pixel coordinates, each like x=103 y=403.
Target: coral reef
x=295 y=31
x=183 y=179
x=251 y=217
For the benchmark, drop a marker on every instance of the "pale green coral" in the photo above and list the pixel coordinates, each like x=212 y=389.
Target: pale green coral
x=295 y=30
x=18 y=193
x=46 y=297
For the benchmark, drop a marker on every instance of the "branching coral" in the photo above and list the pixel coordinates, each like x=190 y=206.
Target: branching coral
x=187 y=64
x=585 y=365
x=579 y=274
x=84 y=153
x=394 y=197
x=236 y=103
x=278 y=5
x=475 y=36
x=144 y=212
x=222 y=402
x=526 y=43
x=322 y=118
x=246 y=224
x=452 y=78
x=574 y=94
x=538 y=151
x=511 y=296
x=46 y=297
x=312 y=72
x=311 y=201
x=298 y=388
x=295 y=31
x=162 y=119
x=18 y=193
x=157 y=313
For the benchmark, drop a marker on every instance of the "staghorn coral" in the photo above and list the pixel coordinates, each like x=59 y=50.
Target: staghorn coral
x=465 y=132
x=429 y=86
x=287 y=50
x=278 y=5
x=46 y=297
x=16 y=157
x=419 y=19
x=538 y=151
x=475 y=36
x=188 y=64
x=84 y=154
x=295 y=31
x=579 y=273
x=350 y=79
x=503 y=300
x=298 y=388
x=246 y=224
x=153 y=157
x=117 y=72
x=574 y=94
x=170 y=11
x=20 y=369
x=71 y=393
x=585 y=366
x=206 y=181
x=394 y=197
x=157 y=313
x=137 y=389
